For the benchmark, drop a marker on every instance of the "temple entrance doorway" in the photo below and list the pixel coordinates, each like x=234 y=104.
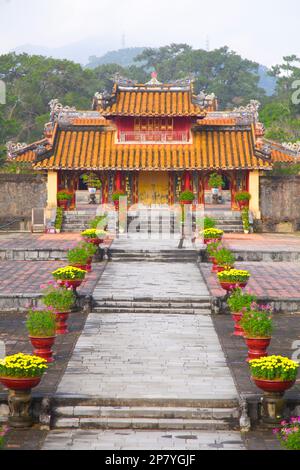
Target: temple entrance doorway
x=153 y=187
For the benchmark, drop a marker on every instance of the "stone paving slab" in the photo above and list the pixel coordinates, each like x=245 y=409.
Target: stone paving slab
x=271 y=242
x=151 y=280
x=268 y=280
x=143 y=440
x=148 y=357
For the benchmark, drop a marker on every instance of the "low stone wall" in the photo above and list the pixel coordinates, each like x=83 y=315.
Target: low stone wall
x=19 y=194
x=279 y=204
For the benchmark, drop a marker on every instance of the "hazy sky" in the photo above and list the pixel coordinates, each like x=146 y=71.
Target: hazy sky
x=263 y=30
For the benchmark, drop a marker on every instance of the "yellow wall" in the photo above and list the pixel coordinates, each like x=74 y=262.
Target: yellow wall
x=153 y=187
x=254 y=191
x=52 y=189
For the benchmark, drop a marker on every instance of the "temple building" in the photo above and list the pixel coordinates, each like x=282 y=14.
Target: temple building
x=153 y=141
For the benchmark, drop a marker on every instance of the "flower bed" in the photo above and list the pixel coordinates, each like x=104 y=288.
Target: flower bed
x=234 y=276
x=212 y=234
x=69 y=273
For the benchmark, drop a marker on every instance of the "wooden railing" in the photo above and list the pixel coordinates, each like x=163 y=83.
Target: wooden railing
x=154 y=136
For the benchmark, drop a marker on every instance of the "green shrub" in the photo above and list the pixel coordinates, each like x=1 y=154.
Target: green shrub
x=257 y=324
x=59 y=218
x=209 y=222
x=59 y=298
x=90 y=248
x=98 y=222
x=215 y=181
x=242 y=196
x=212 y=248
x=224 y=258
x=41 y=323
x=245 y=219
x=289 y=433
x=240 y=302
x=78 y=255
x=117 y=194
x=64 y=196
x=91 y=180
x=187 y=196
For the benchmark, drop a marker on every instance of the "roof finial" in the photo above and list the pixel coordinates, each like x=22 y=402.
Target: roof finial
x=154 y=80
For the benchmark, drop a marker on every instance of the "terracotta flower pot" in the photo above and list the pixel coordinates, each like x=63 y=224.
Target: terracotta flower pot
x=257 y=347
x=230 y=286
x=273 y=386
x=186 y=202
x=207 y=241
x=238 y=330
x=24 y=383
x=43 y=347
x=63 y=204
x=117 y=205
x=243 y=204
x=80 y=266
x=95 y=241
x=61 y=322
x=74 y=283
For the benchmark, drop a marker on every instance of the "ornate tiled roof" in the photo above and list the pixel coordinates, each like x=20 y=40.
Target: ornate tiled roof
x=93 y=148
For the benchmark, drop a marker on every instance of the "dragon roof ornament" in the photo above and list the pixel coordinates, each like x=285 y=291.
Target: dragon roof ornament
x=13 y=148
x=57 y=109
x=251 y=109
x=293 y=147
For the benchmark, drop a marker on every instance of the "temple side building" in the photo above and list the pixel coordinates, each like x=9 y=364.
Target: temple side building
x=153 y=141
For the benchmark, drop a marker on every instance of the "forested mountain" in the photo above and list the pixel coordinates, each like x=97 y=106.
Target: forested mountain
x=124 y=57
x=32 y=81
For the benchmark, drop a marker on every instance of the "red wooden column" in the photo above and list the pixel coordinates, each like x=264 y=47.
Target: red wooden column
x=187 y=181
x=118 y=181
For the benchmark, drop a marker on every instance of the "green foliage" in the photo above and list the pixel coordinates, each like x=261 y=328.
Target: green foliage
x=117 y=194
x=209 y=222
x=3 y=432
x=257 y=324
x=242 y=196
x=215 y=181
x=78 y=255
x=90 y=248
x=13 y=167
x=64 y=196
x=58 y=298
x=289 y=433
x=187 y=196
x=91 y=180
x=212 y=248
x=286 y=169
x=274 y=368
x=240 y=302
x=245 y=219
x=41 y=323
x=99 y=222
x=224 y=258
x=59 y=218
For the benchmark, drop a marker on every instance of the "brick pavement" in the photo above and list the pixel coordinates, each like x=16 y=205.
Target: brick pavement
x=19 y=277
x=262 y=241
x=273 y=280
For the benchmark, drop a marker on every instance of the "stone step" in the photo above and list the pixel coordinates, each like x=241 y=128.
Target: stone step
x=152 y=310
x=145 y=412
x=160 y=304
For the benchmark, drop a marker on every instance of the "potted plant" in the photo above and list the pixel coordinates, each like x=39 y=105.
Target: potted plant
x=245 y=220
x=63 y=198
x=186 y=197
x=258 y=326
x=78 y=257
x=215 y=182
x=94 y=236
x=41 y=325
x=289 y=433
x=116 y=198
x=242 y=198
x=99 y=222
x=230 y=280
x=69 y=276
x=92 y=181
x=59 y=219
x=212 y=249
x=274 y=374
x=225 y=259
x=209 y=222
x=21 y=373
x=239 y=303
x=212 y=234
x=91 y=250
x=61 y=300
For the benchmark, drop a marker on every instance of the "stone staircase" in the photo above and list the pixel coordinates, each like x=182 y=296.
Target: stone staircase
x=176 y=255
x=77 y=221
x=228 y=221
x=196 y=306
x=212 y=415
